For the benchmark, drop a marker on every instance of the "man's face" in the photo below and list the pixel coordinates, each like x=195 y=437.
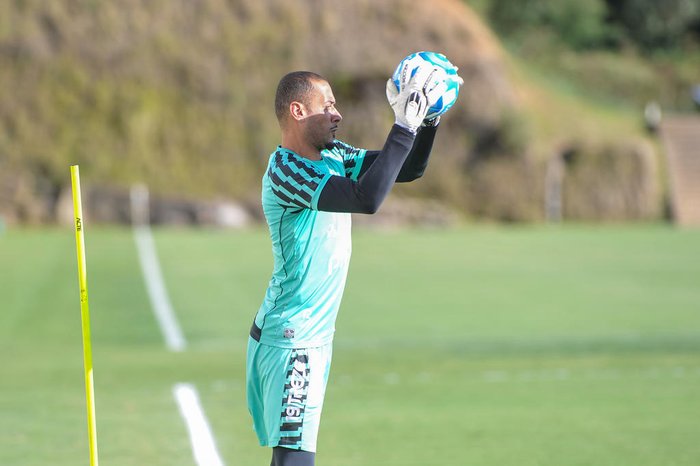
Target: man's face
x=322 y=121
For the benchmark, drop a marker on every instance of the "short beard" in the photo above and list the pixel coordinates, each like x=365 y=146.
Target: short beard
x=319 y=142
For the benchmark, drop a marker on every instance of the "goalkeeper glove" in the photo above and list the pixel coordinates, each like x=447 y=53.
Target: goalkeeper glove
x=417 y=95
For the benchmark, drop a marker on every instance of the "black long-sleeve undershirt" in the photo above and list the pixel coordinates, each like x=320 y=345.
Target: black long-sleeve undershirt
x=403 y=158
x=417 y=160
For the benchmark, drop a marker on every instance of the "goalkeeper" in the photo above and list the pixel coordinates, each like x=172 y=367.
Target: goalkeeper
x=312 y=184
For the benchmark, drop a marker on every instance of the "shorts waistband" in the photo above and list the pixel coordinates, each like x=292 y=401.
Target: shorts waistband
x=255 y=332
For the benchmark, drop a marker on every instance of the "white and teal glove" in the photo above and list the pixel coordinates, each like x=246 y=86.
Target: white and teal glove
x=416 y=96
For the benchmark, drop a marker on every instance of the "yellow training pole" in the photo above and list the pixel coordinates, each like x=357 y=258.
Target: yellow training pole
x=84 y=313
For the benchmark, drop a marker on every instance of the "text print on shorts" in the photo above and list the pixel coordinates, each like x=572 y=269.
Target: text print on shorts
x=296 y=390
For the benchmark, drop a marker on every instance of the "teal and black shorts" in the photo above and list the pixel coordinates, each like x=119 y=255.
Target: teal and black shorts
x=285 y=388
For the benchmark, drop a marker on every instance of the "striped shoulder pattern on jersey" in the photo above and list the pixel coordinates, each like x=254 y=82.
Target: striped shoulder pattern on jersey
x=352 y=157
x=295 y=182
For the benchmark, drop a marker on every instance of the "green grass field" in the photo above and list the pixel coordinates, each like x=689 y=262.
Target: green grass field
x=481 y=346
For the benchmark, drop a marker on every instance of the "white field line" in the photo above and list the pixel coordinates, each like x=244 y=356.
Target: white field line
x=174 y=339
x=201 y=438
x=203 y=445
x=152 y=275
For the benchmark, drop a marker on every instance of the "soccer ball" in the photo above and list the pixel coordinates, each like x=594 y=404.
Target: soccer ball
x=410 y=65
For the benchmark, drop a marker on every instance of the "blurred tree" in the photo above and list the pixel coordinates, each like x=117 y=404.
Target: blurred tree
x=580 y=24
x=652 y=24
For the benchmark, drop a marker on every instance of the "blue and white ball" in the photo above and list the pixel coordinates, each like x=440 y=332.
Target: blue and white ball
x=410 y=65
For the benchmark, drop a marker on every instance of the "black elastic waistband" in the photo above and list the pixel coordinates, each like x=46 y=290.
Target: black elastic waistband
x=255 y=332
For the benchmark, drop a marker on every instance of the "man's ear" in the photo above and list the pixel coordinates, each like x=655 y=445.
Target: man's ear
x=297 y=110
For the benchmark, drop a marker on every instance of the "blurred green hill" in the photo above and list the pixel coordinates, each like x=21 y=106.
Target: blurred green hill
x=178 y=94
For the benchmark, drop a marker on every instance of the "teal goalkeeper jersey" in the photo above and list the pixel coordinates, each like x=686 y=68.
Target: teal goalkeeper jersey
x=311 y=248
